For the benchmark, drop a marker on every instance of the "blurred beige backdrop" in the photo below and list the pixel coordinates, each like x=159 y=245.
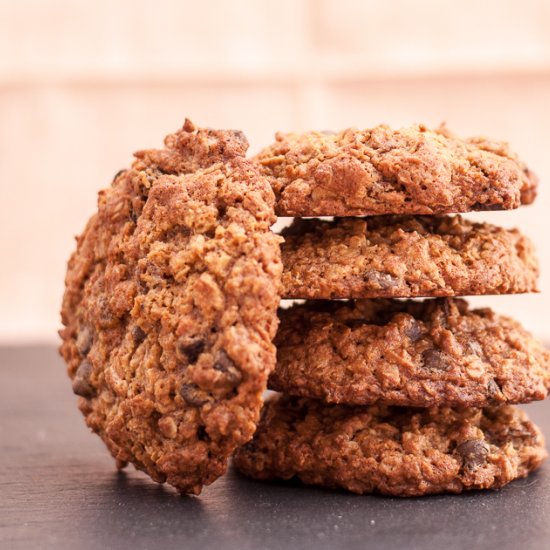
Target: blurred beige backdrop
x=83 y=85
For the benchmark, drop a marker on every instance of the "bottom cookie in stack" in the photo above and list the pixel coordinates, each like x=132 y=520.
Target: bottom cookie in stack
x=403 y=398
x=395 y=451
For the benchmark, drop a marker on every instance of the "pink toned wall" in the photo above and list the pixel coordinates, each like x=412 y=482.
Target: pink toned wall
x=83 y=85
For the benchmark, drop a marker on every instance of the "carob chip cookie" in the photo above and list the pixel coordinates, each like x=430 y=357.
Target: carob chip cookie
x=408 y=353
x=170 y=307
x=404 y=256
x=391 y=450
x=383 y=171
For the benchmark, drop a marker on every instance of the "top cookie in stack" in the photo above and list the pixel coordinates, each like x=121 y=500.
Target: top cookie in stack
x=345 y=366
x=385 y=171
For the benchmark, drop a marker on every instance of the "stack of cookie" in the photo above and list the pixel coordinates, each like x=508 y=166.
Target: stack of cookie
x=170 y=310
x=401 y=397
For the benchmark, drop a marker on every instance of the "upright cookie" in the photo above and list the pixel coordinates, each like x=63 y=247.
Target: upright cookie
x=394 y=451
x=170 y=308
x=435 y=352
x=383 y=171
x=404 y=256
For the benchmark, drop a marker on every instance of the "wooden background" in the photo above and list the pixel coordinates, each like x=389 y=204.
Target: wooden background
x=83 y=85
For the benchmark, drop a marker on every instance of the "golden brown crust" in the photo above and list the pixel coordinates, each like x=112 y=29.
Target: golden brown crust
x=404 y=256
x=383 y=171
x=170 y=308
x=435 y=352
x=393 y=451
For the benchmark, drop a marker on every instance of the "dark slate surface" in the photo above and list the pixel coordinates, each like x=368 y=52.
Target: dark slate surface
x=59 y=489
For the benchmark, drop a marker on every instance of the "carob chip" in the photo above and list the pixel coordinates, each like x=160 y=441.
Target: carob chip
x=81 y=380
x=473 y=453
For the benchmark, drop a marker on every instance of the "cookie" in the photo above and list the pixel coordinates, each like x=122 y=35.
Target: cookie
x=407 y=353
x=405 y=256
x=383 y=171
x=390 y=450
x=170 y=308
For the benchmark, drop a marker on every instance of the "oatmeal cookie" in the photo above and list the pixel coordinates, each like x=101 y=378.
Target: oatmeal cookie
x=405 y=256
x=170 y=307
x=383 y=171
x=390 y=450
x=408 y=353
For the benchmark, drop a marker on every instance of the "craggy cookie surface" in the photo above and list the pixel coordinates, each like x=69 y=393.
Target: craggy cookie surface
x=435 y=352
x=390 y=450
x=404 y=256
x=170 y=308
x=383 y=171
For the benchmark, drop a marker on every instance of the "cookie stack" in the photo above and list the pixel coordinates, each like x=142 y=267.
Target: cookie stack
x=171 y=297
x=399 y=396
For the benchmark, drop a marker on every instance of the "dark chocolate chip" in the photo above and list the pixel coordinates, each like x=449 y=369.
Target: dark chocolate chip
x=138 y=334
x=222 y=210
x=479 y=207
x=81 y=380
x=192 y=350
x=435 y=360
x=226 y=366
x=377 y=280
x=473 y=453
x=413 y=331
x=184 y=230
x=84 y=341
x=201 y=434
x=193 y=395
x=210 y=233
